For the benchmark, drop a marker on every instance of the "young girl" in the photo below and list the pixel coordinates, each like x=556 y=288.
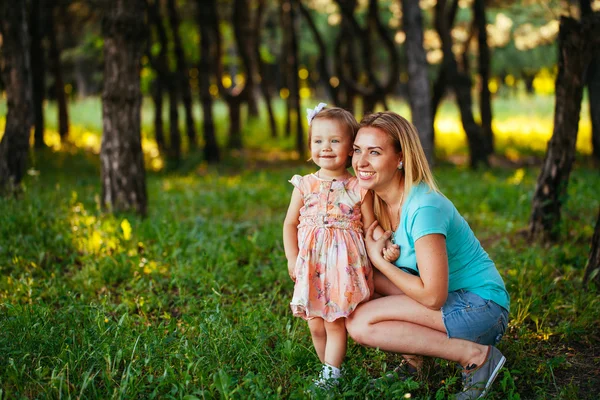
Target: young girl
x=323 y=238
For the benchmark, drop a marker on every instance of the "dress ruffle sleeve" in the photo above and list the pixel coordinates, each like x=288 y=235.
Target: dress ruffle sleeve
x=297 y=182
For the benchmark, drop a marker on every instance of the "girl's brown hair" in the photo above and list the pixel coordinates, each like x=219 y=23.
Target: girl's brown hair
x=405 y=139
x=344 y=117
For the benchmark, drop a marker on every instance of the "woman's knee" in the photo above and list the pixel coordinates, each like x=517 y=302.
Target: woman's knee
x=358 y=329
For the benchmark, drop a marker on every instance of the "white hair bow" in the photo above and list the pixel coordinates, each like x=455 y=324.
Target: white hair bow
x=311 y=114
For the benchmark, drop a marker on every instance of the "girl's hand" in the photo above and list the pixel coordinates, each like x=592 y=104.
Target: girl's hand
x=291 y=269
x=374 y=247
x=391 y=252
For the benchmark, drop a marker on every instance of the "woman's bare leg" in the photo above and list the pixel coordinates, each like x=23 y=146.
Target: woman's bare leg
x=319 y=336
x=335 y=349
x=402 y=325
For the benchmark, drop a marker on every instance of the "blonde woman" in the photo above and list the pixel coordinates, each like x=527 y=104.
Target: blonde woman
x=443 y=297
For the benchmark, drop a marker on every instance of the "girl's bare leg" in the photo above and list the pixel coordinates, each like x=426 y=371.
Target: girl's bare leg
x=319 y=336
x=335 y=349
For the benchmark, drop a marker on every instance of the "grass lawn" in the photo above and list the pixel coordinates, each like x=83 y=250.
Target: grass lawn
x=192 y=302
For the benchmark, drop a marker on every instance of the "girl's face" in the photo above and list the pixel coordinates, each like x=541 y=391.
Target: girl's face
x=330 y=145
x=375 y=160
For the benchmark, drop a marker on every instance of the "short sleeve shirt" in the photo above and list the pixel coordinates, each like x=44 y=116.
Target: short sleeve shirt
x=426 y=212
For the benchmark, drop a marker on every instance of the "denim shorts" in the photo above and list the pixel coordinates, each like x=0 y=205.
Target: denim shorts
x=468 y=316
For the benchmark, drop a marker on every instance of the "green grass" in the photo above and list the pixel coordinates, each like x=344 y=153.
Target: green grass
x=194 y=304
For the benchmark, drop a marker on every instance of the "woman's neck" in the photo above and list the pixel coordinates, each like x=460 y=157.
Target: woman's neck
x=393 y=193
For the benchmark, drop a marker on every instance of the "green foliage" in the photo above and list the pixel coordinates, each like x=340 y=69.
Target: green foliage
x=192 y=302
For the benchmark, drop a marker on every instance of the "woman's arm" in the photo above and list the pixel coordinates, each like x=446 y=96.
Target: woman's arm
x=290 y=231
x=431 y=287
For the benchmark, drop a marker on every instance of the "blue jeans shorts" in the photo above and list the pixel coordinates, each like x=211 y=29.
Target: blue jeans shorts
x=468 y=316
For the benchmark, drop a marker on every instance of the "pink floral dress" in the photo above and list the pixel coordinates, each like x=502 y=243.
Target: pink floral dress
x=333 y=273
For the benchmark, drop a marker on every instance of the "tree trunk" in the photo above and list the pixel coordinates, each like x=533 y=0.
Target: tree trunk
x=575 y=43
x=592 y=271
x=182 y=75
x=56 y=68
x=418 y=82
x=289 y=15
x=206 y=16
x=324 y=73
x=265 y=81
x=593 y=82
x=243 y=32
x=485 y=102
x=37 y=72
x=122 y=160
x=159 y=129
x=462 y=88
x=16 y=74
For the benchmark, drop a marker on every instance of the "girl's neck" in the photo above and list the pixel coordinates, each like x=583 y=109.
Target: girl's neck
x=332 y=174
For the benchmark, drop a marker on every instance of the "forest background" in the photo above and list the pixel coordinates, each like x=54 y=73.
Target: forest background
x=146 y=147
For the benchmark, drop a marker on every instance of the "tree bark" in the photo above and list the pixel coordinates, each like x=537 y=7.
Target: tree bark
x=122 y=160
x=324 y=73
x=16 y=74
x=37 y=72
x=575 y=44
x=485 y=101
x=418 y=82
x=265 y=82
x=461 y=84
x=182 y=75
x=244 y=38
x=289 y=14
x=593 y=82
x=592 y=271
x=160 y=65
x=206 y=16
x=56 y=68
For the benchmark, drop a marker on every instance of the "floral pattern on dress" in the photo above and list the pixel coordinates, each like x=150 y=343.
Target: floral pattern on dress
x=333 y=273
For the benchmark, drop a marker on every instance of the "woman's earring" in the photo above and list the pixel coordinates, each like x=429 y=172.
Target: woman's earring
x=400 y=165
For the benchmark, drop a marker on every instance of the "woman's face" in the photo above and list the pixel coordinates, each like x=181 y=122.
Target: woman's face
x=375 y=160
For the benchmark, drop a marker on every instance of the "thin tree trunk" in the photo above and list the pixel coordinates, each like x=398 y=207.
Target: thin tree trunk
x=16 y=74
x=325 y=75
x=56 y=67
x=265 y=81
x=37 y=72
x=592 y=271
x=182 y=75
x=593 y=82
x=485 y=102
x=285 y=49
x=575 y=42
x=418 y=82
x=243 y=32
x=206 y=16
x=122 y=160
x=164 y=79
x=462 y=88
x=292 y=74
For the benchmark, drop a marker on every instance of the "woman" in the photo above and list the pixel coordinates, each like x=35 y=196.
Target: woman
x=443 y=296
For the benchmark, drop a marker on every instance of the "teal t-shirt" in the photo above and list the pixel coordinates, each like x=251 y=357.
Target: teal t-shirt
x=470 y=268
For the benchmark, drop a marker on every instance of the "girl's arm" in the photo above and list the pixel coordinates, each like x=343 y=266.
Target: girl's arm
x=431 y=287
x=290 y=231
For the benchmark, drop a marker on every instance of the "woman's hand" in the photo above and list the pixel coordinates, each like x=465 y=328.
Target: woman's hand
x=375 y=248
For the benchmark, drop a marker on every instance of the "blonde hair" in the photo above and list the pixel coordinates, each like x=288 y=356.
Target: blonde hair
x=344 y=117
x=405 y=139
